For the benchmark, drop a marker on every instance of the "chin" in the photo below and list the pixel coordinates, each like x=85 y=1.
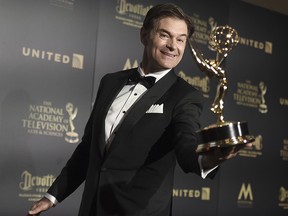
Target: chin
x=168 y=66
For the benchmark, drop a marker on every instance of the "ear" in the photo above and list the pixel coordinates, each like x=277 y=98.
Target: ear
x=143 y=36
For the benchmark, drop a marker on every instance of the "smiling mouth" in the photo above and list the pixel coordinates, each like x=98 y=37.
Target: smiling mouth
x=169 y=54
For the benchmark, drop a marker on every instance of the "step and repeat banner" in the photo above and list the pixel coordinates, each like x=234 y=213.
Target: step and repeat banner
x=53 y=54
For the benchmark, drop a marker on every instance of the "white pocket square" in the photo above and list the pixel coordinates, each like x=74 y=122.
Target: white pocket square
x=155 y=108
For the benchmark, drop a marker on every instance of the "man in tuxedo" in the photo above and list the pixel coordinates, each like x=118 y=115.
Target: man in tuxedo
x=138 y=130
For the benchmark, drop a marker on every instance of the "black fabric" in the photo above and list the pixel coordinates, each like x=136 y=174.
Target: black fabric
x=135 y=78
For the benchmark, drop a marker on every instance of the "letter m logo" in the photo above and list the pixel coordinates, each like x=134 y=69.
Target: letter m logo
x=245 y=192
x=128 y=64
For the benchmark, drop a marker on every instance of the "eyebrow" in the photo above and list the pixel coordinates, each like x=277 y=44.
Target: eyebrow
x=166 y=31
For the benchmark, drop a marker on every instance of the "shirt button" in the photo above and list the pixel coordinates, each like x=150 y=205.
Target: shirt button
x=123 y=111
x=135 y=94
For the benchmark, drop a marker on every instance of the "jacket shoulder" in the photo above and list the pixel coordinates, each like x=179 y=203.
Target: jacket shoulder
x=186 y=86
x=118 y=73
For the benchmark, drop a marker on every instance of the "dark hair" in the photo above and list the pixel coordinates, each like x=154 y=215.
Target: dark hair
x=167 y=10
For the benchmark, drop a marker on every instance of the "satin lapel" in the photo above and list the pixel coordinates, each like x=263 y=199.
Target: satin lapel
x=111 y=88
x=141 y=106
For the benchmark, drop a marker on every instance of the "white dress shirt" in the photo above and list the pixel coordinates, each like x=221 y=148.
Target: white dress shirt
x=124 y=100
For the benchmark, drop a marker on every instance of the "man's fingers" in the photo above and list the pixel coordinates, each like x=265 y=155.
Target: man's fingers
x=36 y=208
x=34 y=211
x=40 y=206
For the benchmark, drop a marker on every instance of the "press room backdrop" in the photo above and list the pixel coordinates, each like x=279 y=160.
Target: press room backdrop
x=52 y=56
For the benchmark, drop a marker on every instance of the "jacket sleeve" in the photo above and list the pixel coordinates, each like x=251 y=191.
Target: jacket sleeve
x=74 y=172
x=186 y=122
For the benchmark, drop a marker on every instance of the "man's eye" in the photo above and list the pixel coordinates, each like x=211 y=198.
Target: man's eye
x=164 y=36
x=181 y=40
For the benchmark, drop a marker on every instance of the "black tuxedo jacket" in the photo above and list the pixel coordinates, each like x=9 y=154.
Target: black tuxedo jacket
x=135 y=175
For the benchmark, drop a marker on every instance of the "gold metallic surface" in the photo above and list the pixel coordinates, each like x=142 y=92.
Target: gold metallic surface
x=222 y=40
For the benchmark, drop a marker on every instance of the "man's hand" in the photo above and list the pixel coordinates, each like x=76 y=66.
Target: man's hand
x=40 y=206
x=217 y=156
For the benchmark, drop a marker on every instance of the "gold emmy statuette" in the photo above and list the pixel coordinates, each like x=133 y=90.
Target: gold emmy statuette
x=71 y=136
x=222 y=133
x=262 y=106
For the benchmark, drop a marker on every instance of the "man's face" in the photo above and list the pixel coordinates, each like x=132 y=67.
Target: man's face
x=164 y=45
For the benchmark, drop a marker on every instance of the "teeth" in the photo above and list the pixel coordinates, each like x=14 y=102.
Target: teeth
x=169 y=54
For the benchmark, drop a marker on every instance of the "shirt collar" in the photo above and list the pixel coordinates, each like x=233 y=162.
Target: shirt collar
x=158 y=75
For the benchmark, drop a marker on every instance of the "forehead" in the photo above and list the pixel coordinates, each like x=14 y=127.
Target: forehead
x=172 y=25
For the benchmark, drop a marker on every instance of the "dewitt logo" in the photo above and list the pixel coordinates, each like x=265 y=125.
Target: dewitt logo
x=28 y=181
x=32 y=187
x=131 y=14
x=245 y=196
x=203 y=84
x=125 y=7
x=75 y=60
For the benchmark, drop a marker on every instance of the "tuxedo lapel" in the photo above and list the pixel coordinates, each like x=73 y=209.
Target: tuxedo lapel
x=142 y=105
x=111 y=88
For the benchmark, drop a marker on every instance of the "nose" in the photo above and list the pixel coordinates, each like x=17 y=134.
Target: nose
x=171 y=44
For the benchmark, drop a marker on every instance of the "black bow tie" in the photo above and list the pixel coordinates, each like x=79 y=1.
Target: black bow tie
x=135 y=78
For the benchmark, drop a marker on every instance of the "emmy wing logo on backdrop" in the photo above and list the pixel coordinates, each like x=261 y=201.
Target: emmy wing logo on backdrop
x=222 y=133
x=262 y=106
x=71 y=135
